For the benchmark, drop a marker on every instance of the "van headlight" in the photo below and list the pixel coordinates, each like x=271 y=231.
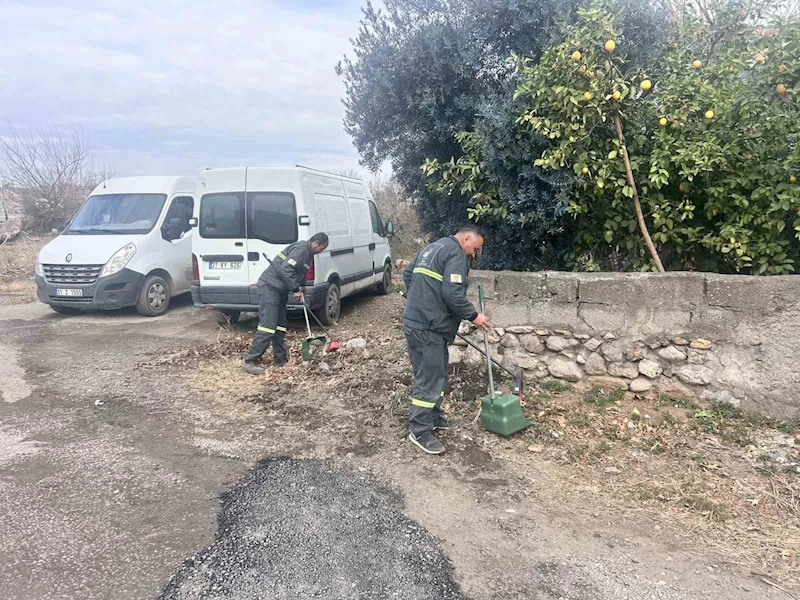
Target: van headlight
x=120 y=259
x=39 y=270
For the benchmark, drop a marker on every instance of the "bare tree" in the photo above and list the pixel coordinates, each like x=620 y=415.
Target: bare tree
x=52 y=170
x=395 y=206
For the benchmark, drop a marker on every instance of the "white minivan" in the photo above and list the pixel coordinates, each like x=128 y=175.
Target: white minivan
x=128 y=245
x=247 y=215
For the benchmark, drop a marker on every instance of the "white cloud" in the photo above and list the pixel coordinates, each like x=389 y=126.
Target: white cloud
x=182 y=83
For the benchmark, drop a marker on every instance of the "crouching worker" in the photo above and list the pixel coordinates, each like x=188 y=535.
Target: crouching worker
x=437 y=303
x=285 y=275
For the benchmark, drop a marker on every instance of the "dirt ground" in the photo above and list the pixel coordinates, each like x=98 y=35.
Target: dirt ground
x=119 y=433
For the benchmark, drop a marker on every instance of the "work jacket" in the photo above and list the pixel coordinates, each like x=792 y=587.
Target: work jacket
x=287 y=271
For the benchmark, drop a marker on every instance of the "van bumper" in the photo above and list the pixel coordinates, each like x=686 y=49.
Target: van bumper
x=107 y=293
x=246 y=299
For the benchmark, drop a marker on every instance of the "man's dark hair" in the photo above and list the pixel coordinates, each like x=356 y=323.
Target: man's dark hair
x=473 y=229
x=319 y=238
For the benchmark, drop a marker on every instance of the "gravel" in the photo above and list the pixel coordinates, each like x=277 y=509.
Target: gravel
x=310 y=529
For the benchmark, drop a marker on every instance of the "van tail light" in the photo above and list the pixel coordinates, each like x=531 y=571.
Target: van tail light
x=195 y=269
x=310 y=275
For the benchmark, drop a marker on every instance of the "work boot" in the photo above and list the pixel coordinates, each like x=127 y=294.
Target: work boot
x=427 y=443
x=252 y=368
x=444 y=423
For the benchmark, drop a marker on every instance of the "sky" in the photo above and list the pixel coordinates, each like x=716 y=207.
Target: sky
x=176 y=86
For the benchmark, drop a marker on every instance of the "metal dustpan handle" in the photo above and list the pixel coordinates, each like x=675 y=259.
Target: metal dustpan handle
x=486 y=344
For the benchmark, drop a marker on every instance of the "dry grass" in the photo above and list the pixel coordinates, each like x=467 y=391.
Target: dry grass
x=724 y=482
x=17 y=264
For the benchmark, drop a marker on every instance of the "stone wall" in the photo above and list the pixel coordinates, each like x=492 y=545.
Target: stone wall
x=723 y=338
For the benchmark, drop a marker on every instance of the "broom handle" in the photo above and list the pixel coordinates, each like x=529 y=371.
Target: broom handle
x=486 y=344
x=305 y=312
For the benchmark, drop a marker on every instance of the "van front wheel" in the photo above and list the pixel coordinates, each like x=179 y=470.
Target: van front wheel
x=154 y=297
x=386 y=283
x=333 y=305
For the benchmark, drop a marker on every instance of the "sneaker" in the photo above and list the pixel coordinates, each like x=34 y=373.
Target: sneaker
x=253 y=368
x=427 y=443
x=444 y=424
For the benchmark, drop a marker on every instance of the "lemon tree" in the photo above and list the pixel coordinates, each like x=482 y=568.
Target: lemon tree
x=689 y=163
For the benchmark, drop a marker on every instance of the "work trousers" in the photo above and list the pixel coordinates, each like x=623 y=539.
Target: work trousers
x=429 y=361
x=271 y=324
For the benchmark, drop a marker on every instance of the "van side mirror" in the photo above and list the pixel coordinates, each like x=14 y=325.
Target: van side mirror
x=193 y=222
x=389 y=228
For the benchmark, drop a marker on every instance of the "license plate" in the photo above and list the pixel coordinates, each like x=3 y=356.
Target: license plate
x=68 y=292
x=230 y=266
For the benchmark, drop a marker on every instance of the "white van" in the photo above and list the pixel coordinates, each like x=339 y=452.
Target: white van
x=247 y=215
x=128 y=245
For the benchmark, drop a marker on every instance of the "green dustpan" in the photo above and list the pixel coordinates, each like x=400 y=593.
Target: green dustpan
x=500 y=414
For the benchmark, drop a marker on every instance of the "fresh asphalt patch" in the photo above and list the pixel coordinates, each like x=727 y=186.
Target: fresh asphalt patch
x=310 y=529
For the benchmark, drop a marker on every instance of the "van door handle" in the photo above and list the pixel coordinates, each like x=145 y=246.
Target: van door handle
x=372 y=246
x=239 y=244
x=252 y=256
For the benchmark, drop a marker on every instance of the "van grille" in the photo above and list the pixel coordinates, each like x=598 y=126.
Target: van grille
x=73 y=299
x=72 y=274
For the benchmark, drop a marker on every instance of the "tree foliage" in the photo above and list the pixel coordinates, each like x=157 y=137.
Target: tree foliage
x=424 y=70
x=710 y=126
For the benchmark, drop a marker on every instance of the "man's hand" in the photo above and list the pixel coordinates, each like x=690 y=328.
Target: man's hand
x=481 y=322
x=299 y=294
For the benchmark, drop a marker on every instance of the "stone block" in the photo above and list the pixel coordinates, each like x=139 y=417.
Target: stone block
x=695 y=375
x=563 y=368
x=672 y=354
x=652 y=290
x=752 y=294
x=504 y=314
x=650 y=368
x=514 y=286
x=561 y=287
x=641 y=384
x=601 y=318
x=532 y=343
x=557 y=343
x=627 y=370
x=595 y=365
x=520 y=329
x=456 y=355
x=488 y=279
x=510 y=341
x=547 y=315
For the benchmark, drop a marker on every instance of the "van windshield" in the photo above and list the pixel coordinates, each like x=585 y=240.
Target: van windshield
x=110 y=214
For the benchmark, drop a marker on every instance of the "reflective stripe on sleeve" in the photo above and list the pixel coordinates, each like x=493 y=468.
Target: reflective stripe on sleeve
x=429 y=273
x=266 y=329
x=281 y=255
x=279 y=328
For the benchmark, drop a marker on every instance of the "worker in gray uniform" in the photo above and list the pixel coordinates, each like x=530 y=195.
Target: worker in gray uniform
x=285 y=275
x=437 y=303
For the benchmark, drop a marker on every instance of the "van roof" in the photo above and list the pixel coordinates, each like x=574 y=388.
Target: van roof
x=147 y=184
x=278 y=168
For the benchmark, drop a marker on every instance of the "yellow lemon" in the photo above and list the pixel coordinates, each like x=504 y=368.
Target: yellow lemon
x=646 y=85
x=662 y=121
x=587 y=95
x=781 y=89
x=709 y=114
x=674 y=125
x=616 y=95
x=610 y=45
x=792 y=179
x=585 y=170
x=576 y=56
x=697 y=64
x=782 y=68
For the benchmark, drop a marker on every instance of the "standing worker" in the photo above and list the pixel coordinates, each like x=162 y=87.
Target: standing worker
x=285 y=274
x=437 y=303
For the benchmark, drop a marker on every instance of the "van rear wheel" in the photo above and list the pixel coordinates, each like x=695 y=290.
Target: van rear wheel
x=329 y=314
x=154 y=297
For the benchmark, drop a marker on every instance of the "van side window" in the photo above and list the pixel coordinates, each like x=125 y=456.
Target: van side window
x=377 y=225
x=272 y=217
x=176 y=221
x=222 y=215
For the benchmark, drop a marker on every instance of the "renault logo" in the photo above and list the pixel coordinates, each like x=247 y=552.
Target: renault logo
x=69 y=258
